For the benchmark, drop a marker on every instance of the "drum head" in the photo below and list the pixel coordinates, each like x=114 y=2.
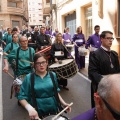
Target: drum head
x=51 y=116
x=67 y=69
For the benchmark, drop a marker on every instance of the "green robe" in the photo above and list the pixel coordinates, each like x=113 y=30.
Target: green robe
x=7 y=38
x=9 y=48
x=23 y=67
x=46 y=101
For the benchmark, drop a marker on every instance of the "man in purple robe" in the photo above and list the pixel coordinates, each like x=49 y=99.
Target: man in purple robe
x=94 y=41
x=106 y=101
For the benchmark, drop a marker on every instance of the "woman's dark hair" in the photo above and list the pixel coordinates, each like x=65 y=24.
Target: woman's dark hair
x=14 y=34
x=38 y=56
x=14 y=29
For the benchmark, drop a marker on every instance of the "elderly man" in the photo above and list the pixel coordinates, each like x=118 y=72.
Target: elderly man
x=107 y=106
x=22 y=57
x=103 y=61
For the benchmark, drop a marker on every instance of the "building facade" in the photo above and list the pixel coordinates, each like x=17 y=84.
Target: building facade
x=13 y=13
x=46 y=12
x=87 y=13
x=35 y=12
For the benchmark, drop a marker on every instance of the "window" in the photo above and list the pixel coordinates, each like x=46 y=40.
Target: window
x=88 y=21
x=12 y=4
x=33 y=15
x=119 y=18
x=15 y=23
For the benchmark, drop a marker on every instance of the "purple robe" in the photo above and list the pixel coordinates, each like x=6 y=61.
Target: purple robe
x=48 y=32
x=94 y=41
x=79 y=39
x=89 y=115
x=55 y=33
x=66 y=36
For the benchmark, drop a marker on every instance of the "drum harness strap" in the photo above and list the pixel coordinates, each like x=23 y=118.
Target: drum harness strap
x=55 y=90
x=16 y=68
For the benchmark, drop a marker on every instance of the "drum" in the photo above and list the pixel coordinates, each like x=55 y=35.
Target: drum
x=46 y=51
x=70 y=47
x=59 y=118
x=65 y=70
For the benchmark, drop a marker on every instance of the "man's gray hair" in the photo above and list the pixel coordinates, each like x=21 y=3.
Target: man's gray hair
x=105 y=88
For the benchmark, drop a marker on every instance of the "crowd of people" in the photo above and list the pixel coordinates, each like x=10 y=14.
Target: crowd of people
x=27 y=52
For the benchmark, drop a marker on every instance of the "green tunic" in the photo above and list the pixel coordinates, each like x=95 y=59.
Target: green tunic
x=9 y=48
x=46 y=101
x=23 y=67
x=7 y=38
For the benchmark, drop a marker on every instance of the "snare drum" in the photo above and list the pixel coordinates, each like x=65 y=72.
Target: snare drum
x=67 y=69
x=59 y=118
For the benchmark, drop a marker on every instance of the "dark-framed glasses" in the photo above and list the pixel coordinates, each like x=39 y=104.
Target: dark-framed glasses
x=109 y=38
x=41 y=63
x=114 y=113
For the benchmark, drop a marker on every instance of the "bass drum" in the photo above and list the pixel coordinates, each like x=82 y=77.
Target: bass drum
x=59 y=118
x=65 y=70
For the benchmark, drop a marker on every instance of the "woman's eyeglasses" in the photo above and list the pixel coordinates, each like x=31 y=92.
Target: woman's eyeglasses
x=40 y=63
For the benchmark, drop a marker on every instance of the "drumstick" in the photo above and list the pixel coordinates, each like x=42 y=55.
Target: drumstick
x=62 y=111
x=25 y=61
x=10 y=75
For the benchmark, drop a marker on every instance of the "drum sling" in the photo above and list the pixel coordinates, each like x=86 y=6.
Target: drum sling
x=14 y=88
x=55 y=90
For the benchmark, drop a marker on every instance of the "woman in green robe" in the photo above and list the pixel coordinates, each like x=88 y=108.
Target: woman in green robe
x=14 y=44
x=44 y=92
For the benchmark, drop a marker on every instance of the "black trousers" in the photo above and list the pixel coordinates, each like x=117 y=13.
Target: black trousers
x=62 y=82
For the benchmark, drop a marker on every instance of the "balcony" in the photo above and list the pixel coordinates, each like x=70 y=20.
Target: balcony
x=46 y=6
x=15 y=11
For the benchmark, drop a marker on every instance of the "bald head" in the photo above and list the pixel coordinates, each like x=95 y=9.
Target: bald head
x=109 y=86
x=23 y=38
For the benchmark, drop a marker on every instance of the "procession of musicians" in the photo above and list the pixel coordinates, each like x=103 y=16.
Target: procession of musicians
x=42 y=63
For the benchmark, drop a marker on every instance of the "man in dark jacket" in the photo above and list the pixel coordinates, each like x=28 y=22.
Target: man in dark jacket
x=103 y=61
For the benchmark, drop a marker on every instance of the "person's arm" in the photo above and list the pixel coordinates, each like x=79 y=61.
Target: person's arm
x=52 y=53
x=12 y=55
x=31 y=111
x=38 y=43
x=64 y=103
x=25 y=95
x=6 y=66
x=7 y=48
x=87 y=46
x=93 y=69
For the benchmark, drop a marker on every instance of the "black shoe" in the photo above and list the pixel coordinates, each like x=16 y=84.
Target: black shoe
x=66 y=88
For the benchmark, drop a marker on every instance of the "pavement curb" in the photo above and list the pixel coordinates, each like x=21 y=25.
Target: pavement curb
x=1 y=101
